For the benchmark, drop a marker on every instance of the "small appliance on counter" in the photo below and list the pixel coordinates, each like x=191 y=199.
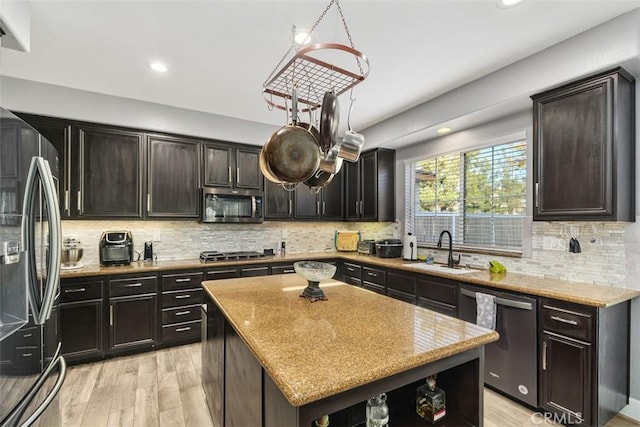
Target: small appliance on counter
x=346 y=241
x=71 y=254
x=116 y=248
x=410 y=248
x=148 y=252
x=389 y=248
x=367 y=247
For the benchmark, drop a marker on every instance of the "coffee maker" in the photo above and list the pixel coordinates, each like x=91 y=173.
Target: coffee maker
x=116 y=248
x=148 y=251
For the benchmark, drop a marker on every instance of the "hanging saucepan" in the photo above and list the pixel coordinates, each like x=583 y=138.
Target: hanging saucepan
x=292 y=152
x=331 y=162
x=318 y=180
x=329 y=118
x=352 y=142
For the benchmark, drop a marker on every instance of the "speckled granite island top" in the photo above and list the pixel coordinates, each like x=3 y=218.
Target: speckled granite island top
x=352 y=339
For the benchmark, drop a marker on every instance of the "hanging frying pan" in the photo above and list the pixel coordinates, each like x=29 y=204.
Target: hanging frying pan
x=329 y=118
x=292 y=152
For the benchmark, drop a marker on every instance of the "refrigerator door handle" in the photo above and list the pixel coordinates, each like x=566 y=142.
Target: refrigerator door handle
x=40 y=167
x=17 y=413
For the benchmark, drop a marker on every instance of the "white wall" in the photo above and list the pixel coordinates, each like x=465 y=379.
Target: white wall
x=57 y=101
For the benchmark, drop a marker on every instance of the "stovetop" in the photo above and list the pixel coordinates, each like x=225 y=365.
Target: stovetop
x=212 y=256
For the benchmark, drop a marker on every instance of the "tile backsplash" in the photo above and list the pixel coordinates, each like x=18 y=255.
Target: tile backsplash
x=610 y=251
x=173 y=240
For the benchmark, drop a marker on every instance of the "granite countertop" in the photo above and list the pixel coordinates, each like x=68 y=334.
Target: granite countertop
x=354 y=338
x=578 y=292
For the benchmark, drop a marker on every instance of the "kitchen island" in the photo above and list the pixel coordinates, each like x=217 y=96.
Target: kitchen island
x=272 y=358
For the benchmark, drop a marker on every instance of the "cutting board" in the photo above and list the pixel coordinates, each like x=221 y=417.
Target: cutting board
x=347 y=241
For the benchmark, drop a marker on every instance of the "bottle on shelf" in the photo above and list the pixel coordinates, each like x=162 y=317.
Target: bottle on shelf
x=431 y=401
x=378 y=411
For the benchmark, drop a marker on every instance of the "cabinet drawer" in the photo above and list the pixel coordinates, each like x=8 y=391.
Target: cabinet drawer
x=352 y=281
x=261 y=270
x=133 y=286
x=568 y=321
x=80 y=291
x=221 y=273
x=373 y=275
x=448 y=309
x=27 y=357
x=441 y=290
x=373 y=287
x=172 y=282
x=402 y=296
x=27 y=337
x=180 y=314
x=282 y=269
x=401 y=282
x=352 y=270
x=181 y=331
x=178 y=298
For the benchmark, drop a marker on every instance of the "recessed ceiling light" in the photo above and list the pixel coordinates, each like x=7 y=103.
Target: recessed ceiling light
x=504 y=4
x=159 y=67
x=443 y=130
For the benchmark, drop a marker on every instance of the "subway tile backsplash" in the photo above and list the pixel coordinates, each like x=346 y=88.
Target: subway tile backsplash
x=610 y=251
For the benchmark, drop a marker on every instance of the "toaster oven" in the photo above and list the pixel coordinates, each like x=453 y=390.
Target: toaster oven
x=367 y=247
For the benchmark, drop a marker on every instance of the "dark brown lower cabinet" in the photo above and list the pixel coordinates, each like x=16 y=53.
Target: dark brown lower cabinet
x=133 y=322
x=81 y=329
x=566 y=377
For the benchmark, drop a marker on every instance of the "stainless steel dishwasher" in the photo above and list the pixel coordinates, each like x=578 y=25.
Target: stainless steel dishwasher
x=510 y=364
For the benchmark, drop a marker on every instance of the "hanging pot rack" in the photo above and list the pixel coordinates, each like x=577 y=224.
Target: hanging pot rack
x=312 y=74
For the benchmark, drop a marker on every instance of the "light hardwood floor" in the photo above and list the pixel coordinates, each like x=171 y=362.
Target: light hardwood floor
x=162 y=388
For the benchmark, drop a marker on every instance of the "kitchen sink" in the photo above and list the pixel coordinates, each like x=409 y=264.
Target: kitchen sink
x=441 y=268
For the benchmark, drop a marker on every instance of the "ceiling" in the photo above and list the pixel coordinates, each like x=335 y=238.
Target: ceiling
x=220 y=52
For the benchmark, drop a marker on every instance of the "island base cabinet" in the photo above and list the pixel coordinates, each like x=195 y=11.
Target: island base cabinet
x=462 y=383
x=213 y=353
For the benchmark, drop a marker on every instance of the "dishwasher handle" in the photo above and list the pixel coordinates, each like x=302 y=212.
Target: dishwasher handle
x=502 y=301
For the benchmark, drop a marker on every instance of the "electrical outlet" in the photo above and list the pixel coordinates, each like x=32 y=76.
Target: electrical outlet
x=547 y=242
x=157 y=235
x=284 y=233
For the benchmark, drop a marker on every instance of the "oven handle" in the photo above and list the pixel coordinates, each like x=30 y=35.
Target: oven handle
x=502 y=301
x=254 y=207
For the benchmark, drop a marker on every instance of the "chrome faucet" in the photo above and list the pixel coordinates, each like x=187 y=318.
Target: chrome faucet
x=450 y=262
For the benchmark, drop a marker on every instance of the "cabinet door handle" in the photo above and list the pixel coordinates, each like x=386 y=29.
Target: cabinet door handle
x=111 y=315
x=188 y=328
x=567 y=321
x=182 y=313
x=324 y=208
x=357 y=205
x=183 y=280
x=318 y=207
x=27 y=354
x=361 y=207
x=27 y=335
x=291 y=270
x=183 y=296
x=149 y=202
x=133 y=285
x=229 y=174
x=66 y=200
x=290 y=206
x=237 y=175
x=537 y=196
x=255 y=269
x=212 y=273
x=67 y=291
x=372 y=274
x=79 y=202
x=351 y=269
x=544 y=355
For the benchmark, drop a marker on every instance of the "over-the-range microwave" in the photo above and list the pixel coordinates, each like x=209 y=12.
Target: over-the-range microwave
x=228 y=205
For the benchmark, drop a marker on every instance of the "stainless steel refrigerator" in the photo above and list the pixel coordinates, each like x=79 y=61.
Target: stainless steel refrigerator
x=32 y=369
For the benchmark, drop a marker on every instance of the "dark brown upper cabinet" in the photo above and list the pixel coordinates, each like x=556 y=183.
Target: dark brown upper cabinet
x=173 y=177
x=370 y=186
x=58 y=132
x=584 y=150
x=232 y=166
x=110 y=171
